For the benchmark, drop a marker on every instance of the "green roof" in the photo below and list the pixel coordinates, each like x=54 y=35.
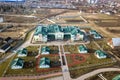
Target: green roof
x=54 y=28
x=68 y=29
x=82 y=48
x=41 y=30
x=45 y=49
x=44 y=61
x=18 y=62
x=100 y=53
x=74 y=31
x=116 y=77
x=23 y=51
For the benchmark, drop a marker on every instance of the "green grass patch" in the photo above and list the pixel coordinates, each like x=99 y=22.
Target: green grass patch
x=103 y=44
x=91 y=47
x=24 y=70
x=53 y=49
x=28 y=35
x=32 y=48
x=90 y=60
x=4 y=65
x=71 y=48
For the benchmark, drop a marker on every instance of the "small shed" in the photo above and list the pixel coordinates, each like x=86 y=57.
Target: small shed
x=44 y=63
x=17 y=63
x=100 y=54
x=22 y=53
x=45 y=50
x=82 y=49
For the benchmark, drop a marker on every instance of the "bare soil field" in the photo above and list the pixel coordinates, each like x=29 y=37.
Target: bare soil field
x=15 y=32
x=68 y=18
x=20 y=19
x=107 y=25
x=19 y=29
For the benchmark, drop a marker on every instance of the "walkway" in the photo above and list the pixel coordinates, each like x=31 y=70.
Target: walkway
x=83 y=77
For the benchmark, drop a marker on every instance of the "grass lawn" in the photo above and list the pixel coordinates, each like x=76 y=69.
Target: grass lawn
x=78 y=72
x=53 y=58
x=91 y=47
x=21 y=71
x=103 y=44
x=108 y=75
x=53 y=49
x=4 y=65
x=28 y=35
x=75 y=59
x=90 y=60
x=71 y=48
x=24 y=70
x=32 y=48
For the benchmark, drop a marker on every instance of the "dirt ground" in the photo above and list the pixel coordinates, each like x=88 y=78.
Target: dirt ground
x=110 y=30
x=15 y=32
x=19 y=29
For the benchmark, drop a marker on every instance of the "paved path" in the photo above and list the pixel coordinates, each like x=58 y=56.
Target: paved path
x=83 y=77
x=59 y=43
x=65 y=69
x=56 y=78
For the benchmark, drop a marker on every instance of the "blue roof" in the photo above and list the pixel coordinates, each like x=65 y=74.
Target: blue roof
x=116 y=41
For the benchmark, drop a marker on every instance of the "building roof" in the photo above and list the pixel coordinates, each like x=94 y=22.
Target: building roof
x=17 y=62
x=54 y=28
x=116 y=77
x=23 y=51
x=68 y=29
x=5 y=46
x=100 y=53
x=44 y=61
x=93 y=31
x=9 y=40
x=97 y=35
x=116 y=41
x=41 y=30
x=45 y=49
x=82 y=48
